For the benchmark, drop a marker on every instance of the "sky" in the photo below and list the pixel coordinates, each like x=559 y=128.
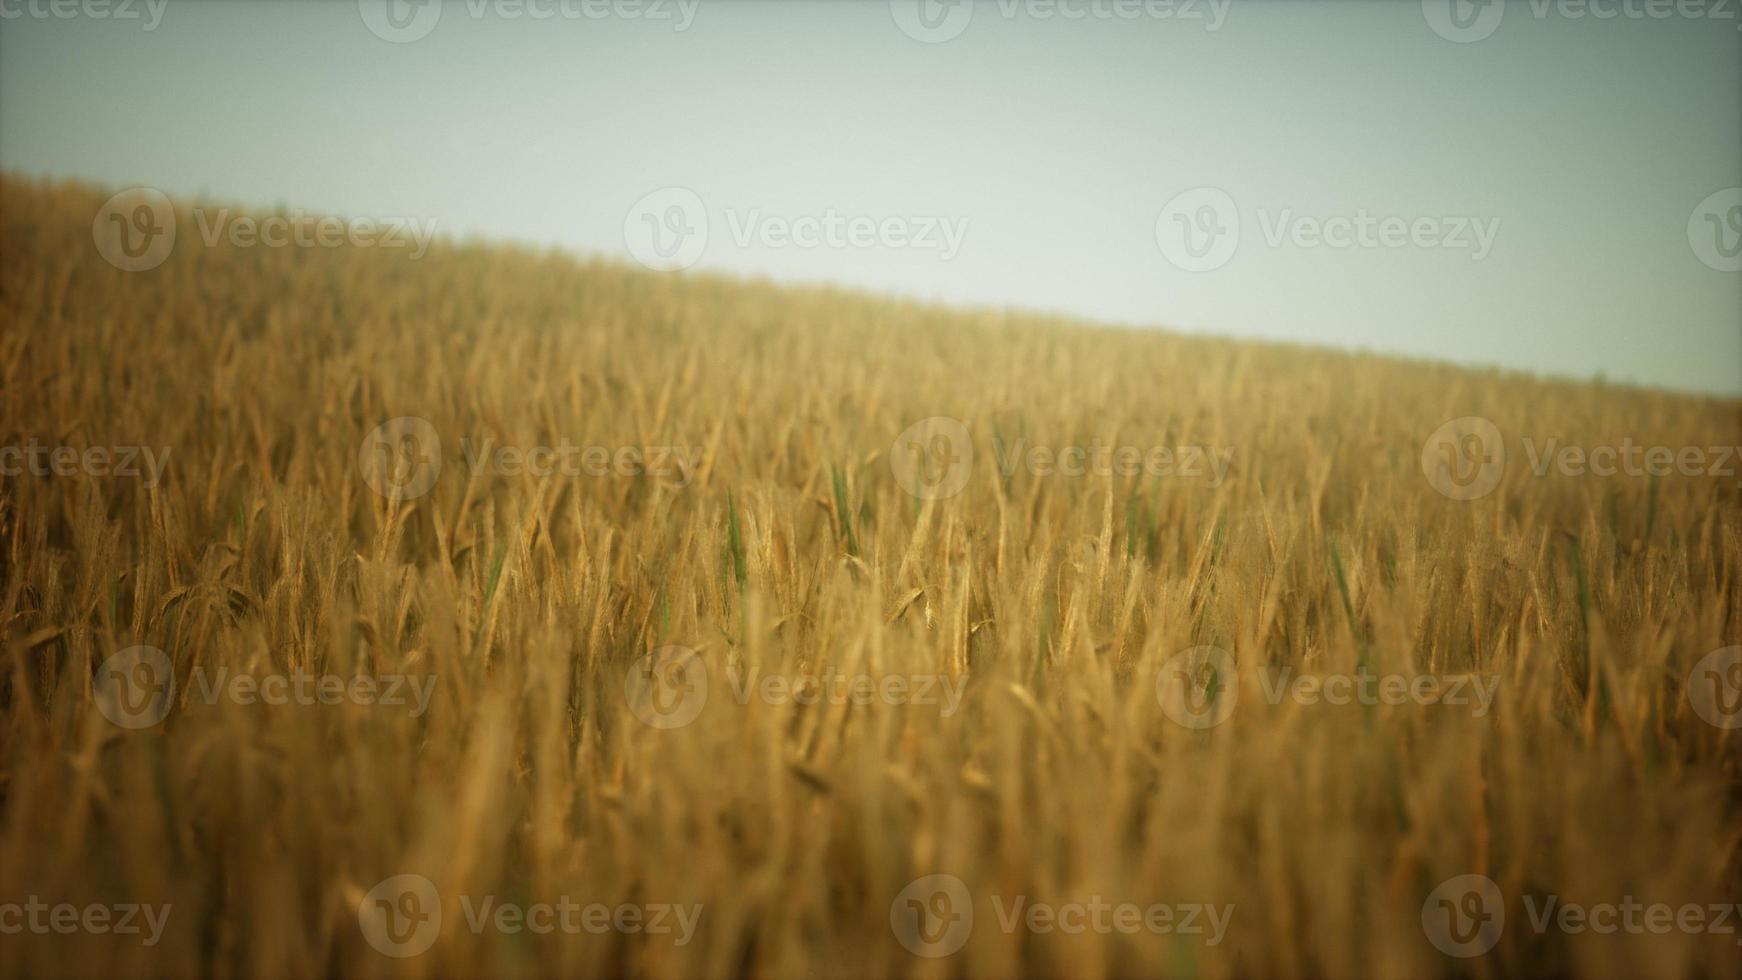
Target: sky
x=1544 y=186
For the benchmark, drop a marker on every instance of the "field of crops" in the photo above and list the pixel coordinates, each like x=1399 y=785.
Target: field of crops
x=501 y=613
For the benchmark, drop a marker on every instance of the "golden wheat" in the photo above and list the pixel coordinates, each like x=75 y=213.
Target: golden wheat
x=785 y=545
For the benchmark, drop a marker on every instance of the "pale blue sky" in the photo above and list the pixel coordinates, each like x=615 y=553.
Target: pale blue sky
x=1585 y=144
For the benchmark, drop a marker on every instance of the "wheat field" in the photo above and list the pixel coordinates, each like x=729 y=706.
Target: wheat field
x=764 y=652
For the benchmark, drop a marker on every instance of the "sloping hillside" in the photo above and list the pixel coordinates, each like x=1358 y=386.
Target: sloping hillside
x=755 y=609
